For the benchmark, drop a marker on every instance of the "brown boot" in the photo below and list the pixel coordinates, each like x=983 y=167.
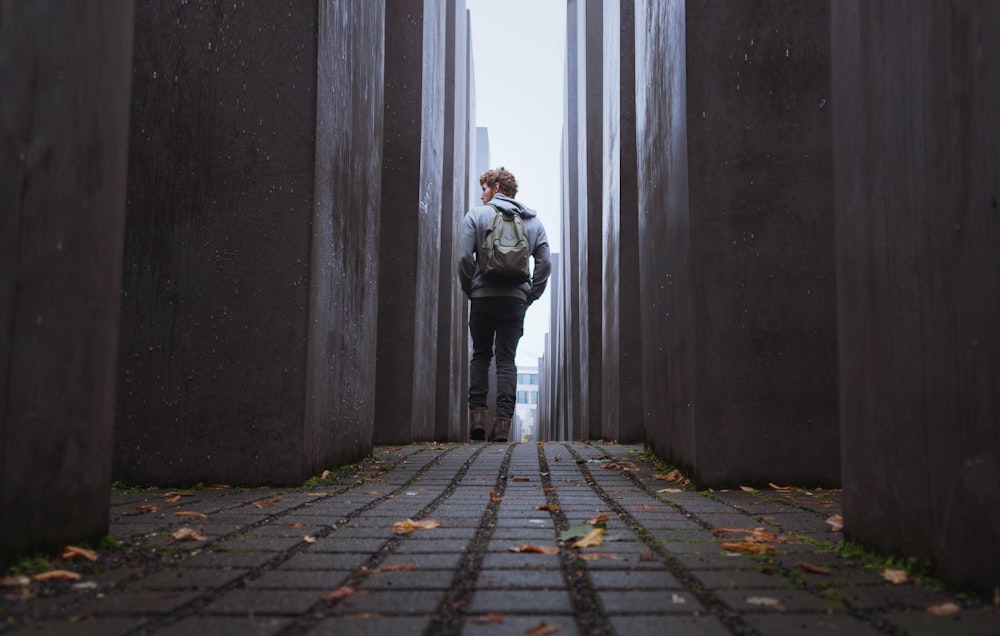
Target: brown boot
x=501 y=428
x=477 y=424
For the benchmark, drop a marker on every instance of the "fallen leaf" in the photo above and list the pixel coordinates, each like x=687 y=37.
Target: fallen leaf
x=191 y=513
x=493 y=618
x=592 y=539
x=597 y=556
x=495 y=496
x=749 y=547
x=147 y=508
x=758 y=535
x=549 y=489
x=746 y=489
x=677 y=599
x=549 y=507
x=73 y=552
x=601 y=518
x=398 y=567
x=174 y=493
x=649 y=556
x=836 y=523
x=577 y=531
x=373 y=493
x=325 y=474
x=15 y=581
x=557 y=458
x=671 y=490
x=815 y=569
x=317 y=494
x=265 y=503
x=629 y=466
x=220 y=487
x=521 y=479
x=895 y=576
x=766 y=601
x=538 y=549
x=57 y=575
x=544 y=628
x=294 y=524
x=674 y=476
x=341 y=592
x=189 y=534
x=647 y=507
x=785 y=488
x=409 y=525
x=309 y=539
x=944 y=609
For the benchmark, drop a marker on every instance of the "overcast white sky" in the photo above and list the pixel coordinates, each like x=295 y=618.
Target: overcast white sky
x=519 y=53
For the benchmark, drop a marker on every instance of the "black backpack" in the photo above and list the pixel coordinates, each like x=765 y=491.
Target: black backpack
x=503 y=257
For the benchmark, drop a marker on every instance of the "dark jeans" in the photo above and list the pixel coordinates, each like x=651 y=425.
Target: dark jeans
x=496 y=319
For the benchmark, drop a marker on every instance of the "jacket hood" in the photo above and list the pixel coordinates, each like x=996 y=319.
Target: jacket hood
x=509 y=205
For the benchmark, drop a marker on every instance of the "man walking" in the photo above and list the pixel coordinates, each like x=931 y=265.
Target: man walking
x=499 y=299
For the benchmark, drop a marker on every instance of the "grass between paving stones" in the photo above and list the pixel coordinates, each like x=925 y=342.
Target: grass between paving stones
x=922 y=571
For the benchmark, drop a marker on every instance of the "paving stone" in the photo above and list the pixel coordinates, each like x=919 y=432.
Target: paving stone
x=343 y=544
x=89 y=627
x=562 y=624
x=368 y=625
x=633 y=580
x=673 y=625
x=320 y=561
x=512 y=579
x=138 y=603
x=414 y=546
x=970 y=622
x=189 y=578
x=485 y=601
x=811 y=624
x=259 y=544
x=225 y=626
x=226 y=560
x=391 y=602
x=640 y=601
x=720 y=579
x=892 y=597
x=252 y=603
x=514 y=560
x=299 y=580
x=408 y=580
x=778 y=600
x=447 y=561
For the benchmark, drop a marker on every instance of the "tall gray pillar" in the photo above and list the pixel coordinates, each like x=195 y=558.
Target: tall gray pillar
x=65 y=71
x=452 y=333
x=621 y=359
x=916 y=96
x=248 y=314
x=409 y=245
x=736 y=256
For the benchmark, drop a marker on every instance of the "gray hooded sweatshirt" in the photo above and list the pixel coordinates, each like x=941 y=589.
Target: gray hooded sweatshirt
x=477 y=220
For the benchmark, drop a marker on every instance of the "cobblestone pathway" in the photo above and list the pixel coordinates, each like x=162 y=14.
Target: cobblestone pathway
x=324 y=559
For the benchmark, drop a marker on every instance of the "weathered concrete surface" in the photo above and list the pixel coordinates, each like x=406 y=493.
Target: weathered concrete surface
x=737 y=254
x=409 y=263
x=452 y=332
x=916 y=94
x=621 y=359
x=250 y=275
x=64 y=91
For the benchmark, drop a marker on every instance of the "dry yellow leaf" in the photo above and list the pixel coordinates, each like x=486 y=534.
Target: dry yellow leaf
x=749 y=547
x=601 y=518
x=543 y=629
x=836 y=523
x=189 y=534
x=74 y=552
x=409 y=525
x=341 y=592
x=548 y=507
x=493 y=618
x=15 y=581
x=262 y=503
x=670 y=490
x=57 y=575
x=309 y=539
x=592 y=539
x=191 y=513
x=538 y=549
x=746 y=489
x=785 y=488
x=674 y=476
x=815 y=569
x=944 y=609
x=144 y=508
x=895 y=576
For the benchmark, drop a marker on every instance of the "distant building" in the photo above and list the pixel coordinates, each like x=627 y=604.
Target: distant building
x=526 y=407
